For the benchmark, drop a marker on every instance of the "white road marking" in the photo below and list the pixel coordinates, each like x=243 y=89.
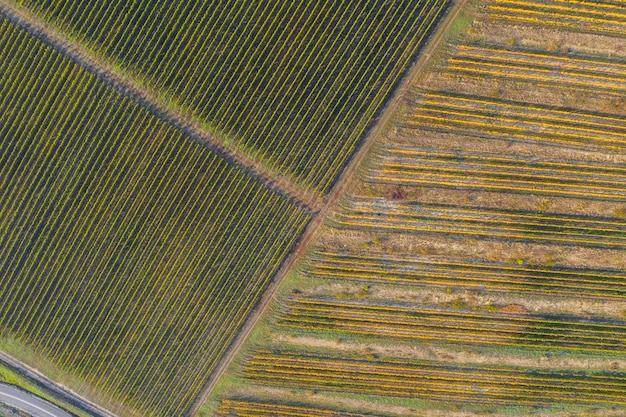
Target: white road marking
x=26 y=402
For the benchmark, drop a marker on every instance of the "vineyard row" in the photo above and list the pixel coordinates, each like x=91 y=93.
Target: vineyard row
x=294 y=84
x=427 y=271
x=130 y=254
x=250 y=408
x=491 y=118
x=601 y=17
x=473 y=327
x=482 y=223
x=501 y=173
x=594 y=74
x=437 y=380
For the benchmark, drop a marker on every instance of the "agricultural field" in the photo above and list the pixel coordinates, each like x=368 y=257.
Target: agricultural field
x=295 y=85
x=164 y=165
x=476 y=265
x=130 y=255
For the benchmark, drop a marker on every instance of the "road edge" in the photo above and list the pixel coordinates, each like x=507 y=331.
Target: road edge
x=55 y=388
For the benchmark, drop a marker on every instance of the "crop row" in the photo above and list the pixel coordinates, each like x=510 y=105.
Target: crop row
x=482 y=223
x=295 y=84
x=501 y=173
x=129 y=254
x=602 y=17
x=555 y=281
x=250 y=408
x=590 y=73
x=543 y=331
x=491 y=118
x=476 y=383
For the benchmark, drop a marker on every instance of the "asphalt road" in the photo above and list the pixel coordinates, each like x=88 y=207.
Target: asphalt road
x=31 y=404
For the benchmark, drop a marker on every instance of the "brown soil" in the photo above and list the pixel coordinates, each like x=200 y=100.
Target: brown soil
x=549 y=39
x=480 y=250
x=430 y=351
x=478 y=300
x=513 y=309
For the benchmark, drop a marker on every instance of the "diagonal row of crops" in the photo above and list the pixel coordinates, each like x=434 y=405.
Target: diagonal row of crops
x=437 y=380
x=584 y=72
x=448 y=272
x=456 y=221
x=492 y=118
x=486 y=228
x=603 y=17
x=406 y=322
x=502 y=173
x=243 y=408
x=294 y=84
x=129 y=254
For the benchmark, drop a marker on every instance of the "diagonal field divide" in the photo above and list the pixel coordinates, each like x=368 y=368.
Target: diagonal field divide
x=129 y=87
x=336 y=193
x=318 y=206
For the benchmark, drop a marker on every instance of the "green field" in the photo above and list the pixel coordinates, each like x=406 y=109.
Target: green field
x=294 y=84
x=177 y=240
x=129 y=255
x=8 y=376
x=475 y=265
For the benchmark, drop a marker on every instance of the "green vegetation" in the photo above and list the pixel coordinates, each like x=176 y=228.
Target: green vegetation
x=295 y=84
x=130 y=255
x=557 y=332
x=8 y=376
x=495 y=385
x=244 y=407
x=476 y=265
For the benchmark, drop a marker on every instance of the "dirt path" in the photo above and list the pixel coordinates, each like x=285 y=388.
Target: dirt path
x=58 y=41
x=320 y=207
x=338 y=190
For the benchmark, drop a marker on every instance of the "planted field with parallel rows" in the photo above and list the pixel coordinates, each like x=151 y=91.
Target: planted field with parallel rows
x=475 y=264
x=129 y=254
x=490 y=118
x=449 y=272
x=436 y=380
x=605 y=17
x=294 y=84
x=234 y=408
x=572 y=70
x=484 y=223
x=502 y=173
x=470 y=327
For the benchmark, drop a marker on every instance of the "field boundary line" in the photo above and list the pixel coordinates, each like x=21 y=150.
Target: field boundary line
x=336 y=193
x=127 y=86
x=59 y=390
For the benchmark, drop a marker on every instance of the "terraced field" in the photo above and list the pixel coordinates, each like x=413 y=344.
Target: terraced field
x=445 y=325
x=584 y=72
x=490 y=118
x=473 y=266
x=605 y=17
x=489 y=384
x=130 y=254
x=441 y=272
x=476 y=265
x=295 y=85
x=269 y=409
